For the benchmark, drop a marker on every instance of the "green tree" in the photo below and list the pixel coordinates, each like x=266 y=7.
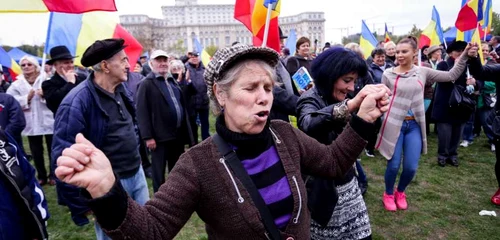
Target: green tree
x=415 y=31
x=211 y=49
x=495 y=24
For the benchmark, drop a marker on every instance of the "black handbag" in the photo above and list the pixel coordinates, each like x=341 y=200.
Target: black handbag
x=460 y=102
x=239 y=171
x=493 y=121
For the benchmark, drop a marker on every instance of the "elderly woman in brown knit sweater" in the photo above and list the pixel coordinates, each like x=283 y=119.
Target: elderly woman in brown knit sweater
x=271 y=154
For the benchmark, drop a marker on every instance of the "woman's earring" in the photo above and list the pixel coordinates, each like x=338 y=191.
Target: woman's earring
x=222 y=109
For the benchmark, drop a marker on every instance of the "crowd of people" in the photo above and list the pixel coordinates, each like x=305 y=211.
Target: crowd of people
x=261 y=174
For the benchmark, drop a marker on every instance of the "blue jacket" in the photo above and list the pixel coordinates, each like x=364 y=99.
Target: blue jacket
x=23 y=208
x=11 y=115
x=81 y=112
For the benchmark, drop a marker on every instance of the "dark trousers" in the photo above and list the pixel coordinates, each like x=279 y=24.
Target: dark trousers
x=36 y=147
x=203 y=115
x=449 y=136
x=168 y=151
x=143 y=151
x=373 y=138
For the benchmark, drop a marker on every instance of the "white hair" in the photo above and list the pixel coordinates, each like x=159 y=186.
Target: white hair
x=177 y=64
x=31 y=60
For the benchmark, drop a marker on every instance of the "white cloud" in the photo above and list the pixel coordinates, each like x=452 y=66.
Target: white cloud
x=342 y=17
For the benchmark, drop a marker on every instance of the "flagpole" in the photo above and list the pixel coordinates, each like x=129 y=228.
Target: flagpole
x=268 y=20
x=44 y=56
x=444 y=42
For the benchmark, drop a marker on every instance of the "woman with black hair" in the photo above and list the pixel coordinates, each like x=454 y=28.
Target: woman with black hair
x=338 y=210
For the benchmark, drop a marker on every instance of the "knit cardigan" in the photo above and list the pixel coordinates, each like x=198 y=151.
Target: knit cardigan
x=407 y=93
x=201 y=182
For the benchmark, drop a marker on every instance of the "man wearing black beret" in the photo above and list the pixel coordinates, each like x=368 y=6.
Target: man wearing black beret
x=102 y=110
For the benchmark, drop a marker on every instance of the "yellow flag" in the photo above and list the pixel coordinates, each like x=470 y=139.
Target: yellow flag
x=477 y=39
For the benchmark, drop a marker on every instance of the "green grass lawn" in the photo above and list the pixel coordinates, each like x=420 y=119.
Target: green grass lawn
x=444 y=203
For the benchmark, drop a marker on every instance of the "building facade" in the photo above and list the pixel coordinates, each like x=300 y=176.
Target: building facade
x=213 y=25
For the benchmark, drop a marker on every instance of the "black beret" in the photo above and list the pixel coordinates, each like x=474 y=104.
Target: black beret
x=101 y=50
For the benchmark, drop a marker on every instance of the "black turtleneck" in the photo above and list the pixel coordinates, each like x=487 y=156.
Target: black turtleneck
x=248 y=146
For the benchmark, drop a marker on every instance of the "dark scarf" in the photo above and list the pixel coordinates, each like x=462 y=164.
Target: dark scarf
x=248 y=146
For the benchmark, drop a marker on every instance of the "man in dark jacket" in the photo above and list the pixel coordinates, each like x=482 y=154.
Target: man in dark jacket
x=23 y=208
x=199 y=103
x=162 y=117
x=103 y=111
x=133 y=80
x=12 y=117
x=65 y=78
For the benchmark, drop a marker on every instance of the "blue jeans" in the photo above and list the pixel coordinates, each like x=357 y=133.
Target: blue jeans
x=137 y=188
x=410 y=144
x=483 y=116
x=361 y=173
x=468 y=134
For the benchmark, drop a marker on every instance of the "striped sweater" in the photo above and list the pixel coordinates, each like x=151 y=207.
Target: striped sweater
x=407 y=94
x=260 y=159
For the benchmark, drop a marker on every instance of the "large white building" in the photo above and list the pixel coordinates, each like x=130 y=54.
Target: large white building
x=211 y=24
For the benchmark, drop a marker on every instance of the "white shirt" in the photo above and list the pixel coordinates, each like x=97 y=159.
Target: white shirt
x=39 y=119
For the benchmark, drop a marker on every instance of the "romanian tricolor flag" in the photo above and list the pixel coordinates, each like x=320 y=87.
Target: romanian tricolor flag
x=476 y=38
x=488 y=16
x=367 y=42
x=470 y=14
x=64 y=6
x=253 y=13
x=78 y=31
x=205 y=57
x=433 y=33
x=7 y=62
x=387 y=37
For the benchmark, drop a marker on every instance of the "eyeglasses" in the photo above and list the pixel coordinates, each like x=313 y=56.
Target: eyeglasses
x=26 y=64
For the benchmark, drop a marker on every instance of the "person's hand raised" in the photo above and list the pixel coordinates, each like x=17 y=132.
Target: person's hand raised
x=354 y=103
x=85 y=166
x=374 y=105
x=471 y=50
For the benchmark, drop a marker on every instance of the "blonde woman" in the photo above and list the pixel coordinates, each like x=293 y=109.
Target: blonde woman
x=39 y=119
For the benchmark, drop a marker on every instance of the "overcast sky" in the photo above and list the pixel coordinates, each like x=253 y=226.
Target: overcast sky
x=399 y=15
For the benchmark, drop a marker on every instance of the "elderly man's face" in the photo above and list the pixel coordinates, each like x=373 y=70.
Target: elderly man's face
x=160 y=65
x=248 y=101
x=27 y=67
x=119 y=66
x=195 y=60
x=66 y=65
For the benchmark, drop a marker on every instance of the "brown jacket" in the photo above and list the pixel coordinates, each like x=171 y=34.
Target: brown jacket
x=202 y=183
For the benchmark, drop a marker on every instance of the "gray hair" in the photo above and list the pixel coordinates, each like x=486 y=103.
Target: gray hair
x=232 y=74
x=97 y=67
x=31 y=60
x=177 y=64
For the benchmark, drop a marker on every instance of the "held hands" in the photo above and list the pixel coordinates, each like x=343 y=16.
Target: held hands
x=354 y=103
x=471 y=81
x=85 y=166
x=70 y=75
x=374 y=105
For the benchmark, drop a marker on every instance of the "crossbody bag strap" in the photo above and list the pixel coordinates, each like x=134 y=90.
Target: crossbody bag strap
x=240 y=172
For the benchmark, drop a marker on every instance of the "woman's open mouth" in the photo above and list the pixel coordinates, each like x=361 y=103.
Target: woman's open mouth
x=262 y=115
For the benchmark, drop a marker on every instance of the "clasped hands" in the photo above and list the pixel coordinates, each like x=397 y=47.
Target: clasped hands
x=371 y=102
